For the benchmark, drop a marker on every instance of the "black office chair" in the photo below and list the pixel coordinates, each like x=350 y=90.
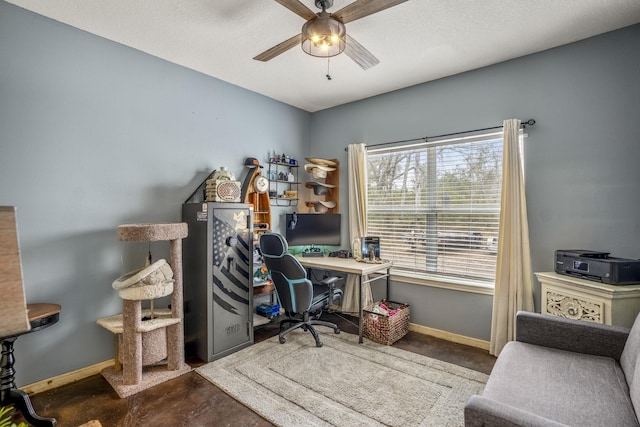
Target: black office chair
x=302 y=301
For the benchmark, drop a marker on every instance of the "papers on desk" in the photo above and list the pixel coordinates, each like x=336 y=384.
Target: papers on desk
x=372 y=261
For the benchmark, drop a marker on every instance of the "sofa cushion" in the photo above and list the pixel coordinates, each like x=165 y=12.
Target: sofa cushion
x=629 y=361
x=567 y=387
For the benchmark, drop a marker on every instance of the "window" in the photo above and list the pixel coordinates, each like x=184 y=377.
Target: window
x=436 y=205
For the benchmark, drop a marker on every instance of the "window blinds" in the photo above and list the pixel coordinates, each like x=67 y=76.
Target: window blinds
x=436 y=205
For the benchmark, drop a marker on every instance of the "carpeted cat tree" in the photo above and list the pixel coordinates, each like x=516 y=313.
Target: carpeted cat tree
x=151 y=341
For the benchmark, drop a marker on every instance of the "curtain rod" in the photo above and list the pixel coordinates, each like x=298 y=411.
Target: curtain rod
x=524 y=124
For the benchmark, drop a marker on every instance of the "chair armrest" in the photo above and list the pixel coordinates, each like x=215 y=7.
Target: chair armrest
x=571 y=335
x=480 y=411
x=330 y=280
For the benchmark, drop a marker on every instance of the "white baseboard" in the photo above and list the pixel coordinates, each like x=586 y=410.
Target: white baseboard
x=449 y=336
x=67 y=378
x=73 y=376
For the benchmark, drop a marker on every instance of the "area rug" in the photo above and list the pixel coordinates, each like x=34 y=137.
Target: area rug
x=344 y=383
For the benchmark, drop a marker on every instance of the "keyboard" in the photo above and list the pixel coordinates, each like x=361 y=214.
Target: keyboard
x=312 y=254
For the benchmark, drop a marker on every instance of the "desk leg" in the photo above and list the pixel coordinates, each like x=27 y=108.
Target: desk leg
x=360 y=320
x=360 y=313
x=388 y=281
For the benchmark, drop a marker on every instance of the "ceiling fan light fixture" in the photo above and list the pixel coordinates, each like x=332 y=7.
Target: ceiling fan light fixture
x=324 y=36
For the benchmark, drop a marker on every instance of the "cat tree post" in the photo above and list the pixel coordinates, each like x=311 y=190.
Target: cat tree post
x=131 y=342
x=175 y=360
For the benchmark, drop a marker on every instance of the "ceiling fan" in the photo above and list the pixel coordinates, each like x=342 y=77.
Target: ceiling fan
x=324 y=34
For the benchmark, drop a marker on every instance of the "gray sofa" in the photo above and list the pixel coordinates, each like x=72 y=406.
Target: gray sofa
x=562 y=372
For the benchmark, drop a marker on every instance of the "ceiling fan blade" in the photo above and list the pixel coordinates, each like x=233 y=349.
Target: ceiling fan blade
x=359 y=54
x=278 y=49
x=298 y=8
x=361 y=8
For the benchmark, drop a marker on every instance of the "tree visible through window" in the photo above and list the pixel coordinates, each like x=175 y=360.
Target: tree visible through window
x=436 y=206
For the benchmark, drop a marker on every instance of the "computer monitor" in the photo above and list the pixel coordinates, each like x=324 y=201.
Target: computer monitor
x=313 y=229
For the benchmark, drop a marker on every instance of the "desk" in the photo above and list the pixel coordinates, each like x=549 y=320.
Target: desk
x=350 y=265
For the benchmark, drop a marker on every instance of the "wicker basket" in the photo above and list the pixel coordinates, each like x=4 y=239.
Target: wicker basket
x=385 y=329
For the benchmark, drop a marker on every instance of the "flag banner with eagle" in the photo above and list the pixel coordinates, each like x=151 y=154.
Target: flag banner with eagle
x=231 y=273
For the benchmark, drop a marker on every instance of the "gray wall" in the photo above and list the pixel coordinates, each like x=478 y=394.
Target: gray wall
x=93 y=135
x=581 y=158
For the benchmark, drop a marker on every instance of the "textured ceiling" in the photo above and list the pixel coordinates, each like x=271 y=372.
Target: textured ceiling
x=416 y=41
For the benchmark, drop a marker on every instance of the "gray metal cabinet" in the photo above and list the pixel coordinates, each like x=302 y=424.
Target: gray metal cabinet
x=218 y=278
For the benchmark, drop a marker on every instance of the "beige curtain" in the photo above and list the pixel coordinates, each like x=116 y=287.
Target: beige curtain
x=357 y=223
x=513 y=289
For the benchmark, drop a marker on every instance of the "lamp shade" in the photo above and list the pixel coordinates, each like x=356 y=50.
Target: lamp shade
x=323 y=36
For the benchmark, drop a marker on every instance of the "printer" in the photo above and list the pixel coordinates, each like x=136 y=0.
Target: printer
x=597 y=266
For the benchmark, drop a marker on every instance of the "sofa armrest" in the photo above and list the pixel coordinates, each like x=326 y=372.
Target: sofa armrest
x=571 y=335
x=480 y=411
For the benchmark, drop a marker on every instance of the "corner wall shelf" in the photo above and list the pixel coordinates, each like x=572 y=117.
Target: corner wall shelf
x=279 y=187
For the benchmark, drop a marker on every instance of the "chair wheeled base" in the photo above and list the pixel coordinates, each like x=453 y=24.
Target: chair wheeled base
x=306 y=323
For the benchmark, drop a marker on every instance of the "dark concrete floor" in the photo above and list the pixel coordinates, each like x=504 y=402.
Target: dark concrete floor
x=193 y=401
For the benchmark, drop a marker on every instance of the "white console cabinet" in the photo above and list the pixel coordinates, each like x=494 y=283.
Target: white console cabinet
x=576 y=298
